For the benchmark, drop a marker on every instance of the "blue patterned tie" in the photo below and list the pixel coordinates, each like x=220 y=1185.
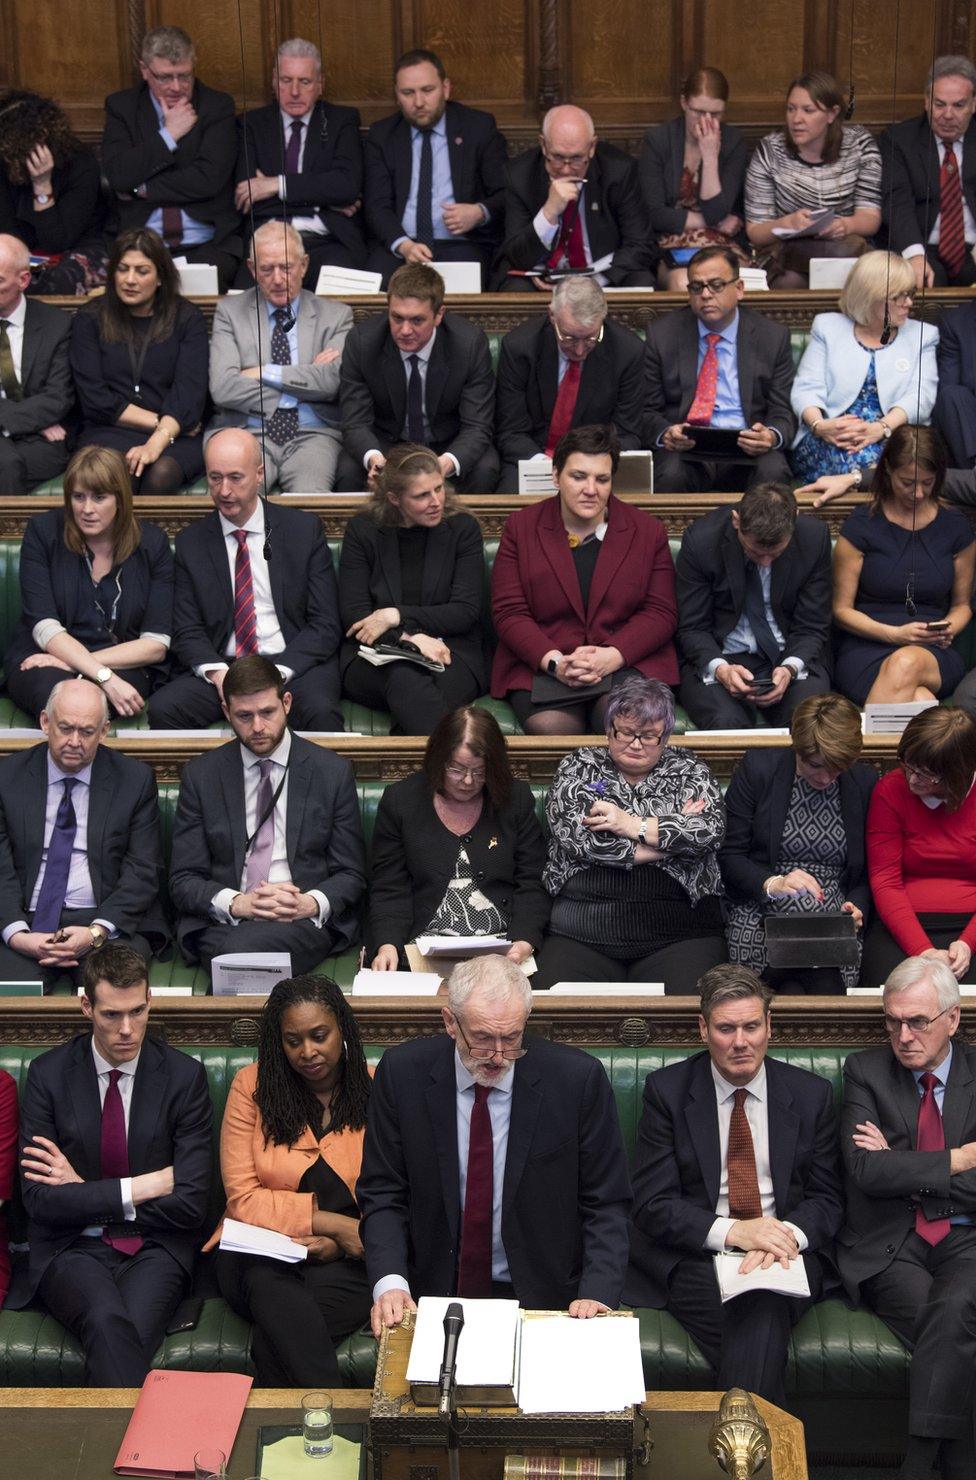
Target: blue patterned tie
x=54 y=885
x=283 y=425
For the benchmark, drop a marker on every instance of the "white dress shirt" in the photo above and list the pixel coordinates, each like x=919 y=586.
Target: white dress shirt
x=969 y=225
x=313 y=225
x=15 y=334
x=423 y=361
x=742 y=640
x=757 y=1114
x=270 y=638
x=547 y=232
x=127 y=1078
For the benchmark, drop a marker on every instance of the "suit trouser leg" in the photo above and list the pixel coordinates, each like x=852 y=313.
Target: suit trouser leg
x=306 y=943
x=679 y=966
x=315 y=698
x=965 y=694
x=711 y=707
x=27 y=461
x=744 y=1341
x=16 y=967
x=482 y=476
x=350 y=474
x=308 y=462
x=565 y=960
x=185 y=703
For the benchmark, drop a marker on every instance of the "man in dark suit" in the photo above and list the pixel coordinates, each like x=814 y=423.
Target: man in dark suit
x=908 y=1247
x=715 y=364
x=252 y=577
x=36 y=392
x=301 y=160
x=929 y=179
x=417 y=374
x=954 y=413
x=492 y=1167
x=435 y=175
x=574 y=368
x=268 y=850
x=736 y=1155
x=754 y=588
x=574 y=203
x=116 y=1162
x=80 y=843
x=168 y=152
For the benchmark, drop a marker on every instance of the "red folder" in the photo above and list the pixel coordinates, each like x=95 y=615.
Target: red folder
x=177 y=1414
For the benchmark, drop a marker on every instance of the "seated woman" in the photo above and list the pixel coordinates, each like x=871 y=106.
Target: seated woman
x=457 y=848
x=921 y=843
x=582 y=595
x=51 y=195
x=692 y=171
x=633 y=833
x=9 y=1121
x=903 y=580
x=140 y=359
x=412 y=568
x=858 y=380
x=794 y=838
x=291 y=1145
x=96 y=592
x=814 y=165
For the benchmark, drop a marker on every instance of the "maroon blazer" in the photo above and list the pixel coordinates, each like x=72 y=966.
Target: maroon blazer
x=536 y=603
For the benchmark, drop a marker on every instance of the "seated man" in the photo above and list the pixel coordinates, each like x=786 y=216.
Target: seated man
x=251 y=577
x=458 y=1195
x=418 y=374
x=268 y=850
x=754 y=596
x=116 y=1159
x=574 y=203
x=36 y=393
x=908 y=1247
x=80 y=844
x=954 y=412
x=736 y=1154
x=573 y=368
x=435 y=175
x=300 y=160
x=274 y=364
x=715 y=364
x=168 y=153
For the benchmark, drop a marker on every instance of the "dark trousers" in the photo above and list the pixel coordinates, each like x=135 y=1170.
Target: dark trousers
x=191 y=703
x=481 y=477
x=380 y=260
x=30 y=688
x=928 y=1296
x=711 y=707
x=677 y=472
x=117 y=1305
x=415 y=698
x=308 y=945
x=322 y=251
x=15 y=967
x=300 y=1312
x=27 y=461
x=679 y=966
x=882 y=953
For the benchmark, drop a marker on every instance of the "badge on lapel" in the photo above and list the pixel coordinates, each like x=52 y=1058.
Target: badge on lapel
x=458 y=140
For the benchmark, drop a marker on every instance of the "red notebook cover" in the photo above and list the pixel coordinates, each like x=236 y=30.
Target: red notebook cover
x=177 y=1414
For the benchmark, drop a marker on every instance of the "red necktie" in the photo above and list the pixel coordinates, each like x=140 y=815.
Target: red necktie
x=562 y=413
x=706 y=391
x=952 y=230
x=245 y=617
x=172 y=226
x=115 y=1151
x=569 y=242
x=744 y=1199
x=930 y=1136
x=474 y=1265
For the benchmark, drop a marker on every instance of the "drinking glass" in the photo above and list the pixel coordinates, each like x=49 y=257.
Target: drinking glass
x=209 y=1464
x=317 y=1423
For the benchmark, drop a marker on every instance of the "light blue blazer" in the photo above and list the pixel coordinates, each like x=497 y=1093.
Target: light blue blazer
x=834 y=365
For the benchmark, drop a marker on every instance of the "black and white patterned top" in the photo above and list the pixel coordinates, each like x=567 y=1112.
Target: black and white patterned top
x=688 y=842
x=778 y=183
x=464 y=910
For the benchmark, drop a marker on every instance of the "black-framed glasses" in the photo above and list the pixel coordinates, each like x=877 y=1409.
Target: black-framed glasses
x=634 y=737
x=509 y=1047
x=913 y=1024
x=567 y=161
x=710 y=285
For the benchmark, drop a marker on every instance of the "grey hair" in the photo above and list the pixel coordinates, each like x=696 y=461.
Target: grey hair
x=169 y=42
x=647 y=701
x=499 y=979
x=296 y=246
x=582 y=297
x=299 y=47
x=914 y=969
x=51 y=706
x=951 y=67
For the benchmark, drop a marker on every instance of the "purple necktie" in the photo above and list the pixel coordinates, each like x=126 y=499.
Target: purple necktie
x=259 y=859
x=115 y=1152
x=54 y=885
x=294 y=149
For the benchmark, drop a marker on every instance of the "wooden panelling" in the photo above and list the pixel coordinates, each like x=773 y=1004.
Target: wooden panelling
x=621 y=58
x=221 y=29
x=359 y=41
x=75 y=53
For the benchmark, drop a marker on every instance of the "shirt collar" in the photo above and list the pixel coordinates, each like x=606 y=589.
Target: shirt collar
x=56 y=775
x=287 y=119
x=272 y=308
x=941 y=1072
x=440 y=129
x=279 y=755
x=724 y=1090
x=422 y=354
x=254 y=525
x=102 y=1066
x=730 y=333
x=466 y=1080
x=17 y=315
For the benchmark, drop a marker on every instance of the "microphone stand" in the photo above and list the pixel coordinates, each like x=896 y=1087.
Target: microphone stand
x=447 y=1404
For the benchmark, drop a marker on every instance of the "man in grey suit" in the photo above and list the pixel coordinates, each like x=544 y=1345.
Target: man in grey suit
x=274 y=364
x=36 y=393
x=268 y=851
x=908 y=1248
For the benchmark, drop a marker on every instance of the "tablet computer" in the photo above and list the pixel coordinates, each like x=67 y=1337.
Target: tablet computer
x=715 y=441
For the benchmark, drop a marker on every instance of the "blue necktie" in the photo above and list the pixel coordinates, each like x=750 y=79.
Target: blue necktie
x=54 y=885
x=756 y=614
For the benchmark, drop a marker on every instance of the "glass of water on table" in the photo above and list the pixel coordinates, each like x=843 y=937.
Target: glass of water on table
x=317 y=1424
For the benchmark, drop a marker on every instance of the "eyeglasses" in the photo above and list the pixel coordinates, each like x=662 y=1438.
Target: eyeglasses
x=712 y=285
x=634 y=737
x=913 y=1024
x=926 y=777
x=461 y=773
x=481 y=1048
x=578 y=341
x=903 y=300
x=567 y=161
x=180 y=79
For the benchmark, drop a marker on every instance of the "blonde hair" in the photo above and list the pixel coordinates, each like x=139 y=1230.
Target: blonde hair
x=873 y=278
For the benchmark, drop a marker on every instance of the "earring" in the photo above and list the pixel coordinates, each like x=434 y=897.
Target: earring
x=345 y=1049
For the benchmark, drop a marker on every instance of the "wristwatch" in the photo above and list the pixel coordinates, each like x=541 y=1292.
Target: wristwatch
x=103 y=675
x=552 y=666
x=42 y=200
x=885 y=429
x=98 y=934
x=642 y=831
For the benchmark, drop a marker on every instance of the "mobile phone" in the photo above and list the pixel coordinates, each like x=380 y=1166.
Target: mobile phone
x=762 y=685
x=937 y=626
x=186 y=1316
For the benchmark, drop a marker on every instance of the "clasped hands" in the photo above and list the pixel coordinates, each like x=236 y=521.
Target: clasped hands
x=588 y=664
x=767 y=1241
x=282 y=901
x=62 y=949
x=738 y=681
x=849 y=433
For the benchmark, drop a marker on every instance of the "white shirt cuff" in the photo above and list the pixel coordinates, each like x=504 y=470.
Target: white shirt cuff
x=325 y=908
x=803 y=1243
x=390 y=1282
x=281 y=186
x=709 y=675
x=484 y=211
x=373 y=452
x=287 y=673
x=220 y=906
x=396 y=244
x=798 y=665
x=202 y=669
x=544 y=228
x=271 y=374
x=161 y=637
x=457 y=465
x=12 y=930
x=717 y=1234
x=108 y=926
x=915 y=250
x=43 y=631
x=128 y=1208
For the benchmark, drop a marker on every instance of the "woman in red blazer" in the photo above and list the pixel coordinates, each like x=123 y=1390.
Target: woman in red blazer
x=582 y=595
x=8 y=1164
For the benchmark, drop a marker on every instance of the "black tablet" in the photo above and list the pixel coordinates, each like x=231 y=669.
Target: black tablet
x=715 y=441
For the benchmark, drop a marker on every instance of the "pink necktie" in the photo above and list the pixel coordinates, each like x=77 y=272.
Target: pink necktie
x=259 y=859
x=115 y=1151
x=706 y=391
x=930 y=1137
x=474 y=1266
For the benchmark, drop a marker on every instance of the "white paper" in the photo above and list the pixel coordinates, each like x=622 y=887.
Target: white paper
x=197 y=279
x=248 y=1238
x=327 y=734
x=23 y=733
x=754 y=279
x=249 y=973
x=535 y=475
x=341 y=281
x=459 y=277
x=462 y=945
x=367 y=983
x=830 y=272
x=486 y=1347
x=819 y=219
x=570 y=1366
x=605 y=989
x=790 y=1281
x=891 y=719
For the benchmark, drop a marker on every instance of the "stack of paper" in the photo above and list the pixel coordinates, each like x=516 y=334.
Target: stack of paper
x=891 y=719
x=249 y=974
x=487 y=1351
x=340 y=282
x=368 y=983
x=570 y=1366
x=790 y=1281
x=462 y=945
x=248 y=1238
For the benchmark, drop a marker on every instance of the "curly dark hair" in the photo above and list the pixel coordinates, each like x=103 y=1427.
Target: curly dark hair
x=287 y=1105
x=26 y=120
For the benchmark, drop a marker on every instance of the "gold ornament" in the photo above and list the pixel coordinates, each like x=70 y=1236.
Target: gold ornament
x=739 y=1439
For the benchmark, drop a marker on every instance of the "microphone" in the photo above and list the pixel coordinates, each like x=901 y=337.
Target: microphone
x=453 y=1326
x=886 y=334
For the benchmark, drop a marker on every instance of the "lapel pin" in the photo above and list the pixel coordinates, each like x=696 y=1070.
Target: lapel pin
x=594 y=205
x=492 y=842
x=458 y=140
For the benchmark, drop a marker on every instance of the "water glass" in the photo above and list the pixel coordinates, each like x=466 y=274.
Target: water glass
x=209 y=1464
x=317 y=1423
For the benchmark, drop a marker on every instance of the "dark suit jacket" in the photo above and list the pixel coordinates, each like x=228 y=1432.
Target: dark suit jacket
x=756 y=805
x=477 y=154
x=660 y=168
x=616 y=220
x=303 y=586
x=331 y=173
x=536 y=603
x=412 y=862
x=882 y=1186
x=459 y=392
x=677 y=1169
x=955 y=404
x=125 y=851
x=611 y=387
x=45 y=374
x=197 y=176
x=711 y=571
x=565 y=1195
x=77 y=220
x=323 y=832
x=170 y=1123
x=910 y=180
x=763 y=358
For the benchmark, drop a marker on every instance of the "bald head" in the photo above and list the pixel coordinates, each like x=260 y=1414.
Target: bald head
x=75 y=721
x=568 y=139
x=234 y=473
x=14 y=272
